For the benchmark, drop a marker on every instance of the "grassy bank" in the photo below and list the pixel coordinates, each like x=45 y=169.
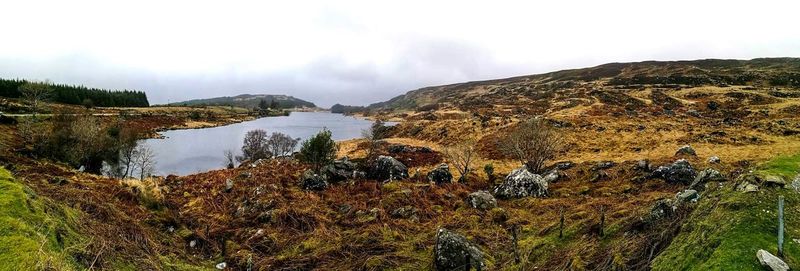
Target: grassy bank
x=35 y=233
x=728 y=227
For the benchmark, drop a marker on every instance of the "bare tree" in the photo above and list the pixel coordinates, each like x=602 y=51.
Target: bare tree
x=533 y=142
x=145 y=161
x=461 y=155
x=35 y=93
x=255 y=146
x=281 y=145
x=229 y=163
x=374 y=134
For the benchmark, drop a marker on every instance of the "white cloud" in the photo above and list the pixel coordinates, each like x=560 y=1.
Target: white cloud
x=319 y=50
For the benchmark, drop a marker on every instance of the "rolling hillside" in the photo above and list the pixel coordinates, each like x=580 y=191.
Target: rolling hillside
x=250 y=101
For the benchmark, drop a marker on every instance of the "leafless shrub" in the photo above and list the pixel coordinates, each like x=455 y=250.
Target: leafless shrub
x=281 y=145
x=255 y=146
x=35 y=93
x=229 y=159
x=145 y=161
x=461 y=155
x=533 y=142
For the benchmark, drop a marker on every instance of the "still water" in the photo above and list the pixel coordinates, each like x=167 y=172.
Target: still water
x=185 y=152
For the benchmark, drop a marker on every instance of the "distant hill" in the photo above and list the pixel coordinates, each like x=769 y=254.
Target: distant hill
x=250 y=101
x=346 y=109
x=540 y=89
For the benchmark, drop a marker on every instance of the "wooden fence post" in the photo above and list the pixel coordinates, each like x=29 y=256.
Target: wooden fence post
x=780 y=226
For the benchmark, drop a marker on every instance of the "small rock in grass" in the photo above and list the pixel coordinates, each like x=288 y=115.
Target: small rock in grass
x=768 y=260
x=714 y=160
x=222 y=266
x=313 y=181
x=481 y=200
x=228 y=185
x=773 y=180
x=687 y=195
x=796 y=183
x=686 y=150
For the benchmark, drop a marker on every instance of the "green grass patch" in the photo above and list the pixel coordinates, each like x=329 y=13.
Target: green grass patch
x=728 y=227
x=786 y=166
x=35 y=234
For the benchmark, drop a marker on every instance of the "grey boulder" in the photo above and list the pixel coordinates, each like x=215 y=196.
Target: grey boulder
x=686 y=150
x=452 y=251
x=388 y=168
x=687 y=195
x=773 y=180
x=481 y=200
x=680 y=171
x=521 y=183
x=705 y=176
x=313 y=181
x=440 y=175
x=340 y=170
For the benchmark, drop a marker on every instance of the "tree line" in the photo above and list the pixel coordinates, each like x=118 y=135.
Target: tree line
x=70 y=94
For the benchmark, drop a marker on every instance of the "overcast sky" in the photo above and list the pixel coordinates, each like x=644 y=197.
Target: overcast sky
x=360 y=52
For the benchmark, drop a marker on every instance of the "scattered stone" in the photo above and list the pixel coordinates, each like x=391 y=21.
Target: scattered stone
x=58 y=180
x=796 y=183
x=228 y=185
x=678 y=172
x=693 y=113
x=714 y=160
x=705 y=176
x=313 y=181
x=773 y=180
x=521 y=183
x=686 y=150
x=747 y=187
x=768 y=260
x=397 y=148
x=643 y=165
x=405 y=212
x=688 y=195
x=452 y=251
x=564 y=165
x=481 y=200
x=340 y=170
x=222 y=266
x=603 y=165
x=661 y=209
x=192 y=243
x=599 y=176
x=388 y=168
x=345 y=208
x=440 y=175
